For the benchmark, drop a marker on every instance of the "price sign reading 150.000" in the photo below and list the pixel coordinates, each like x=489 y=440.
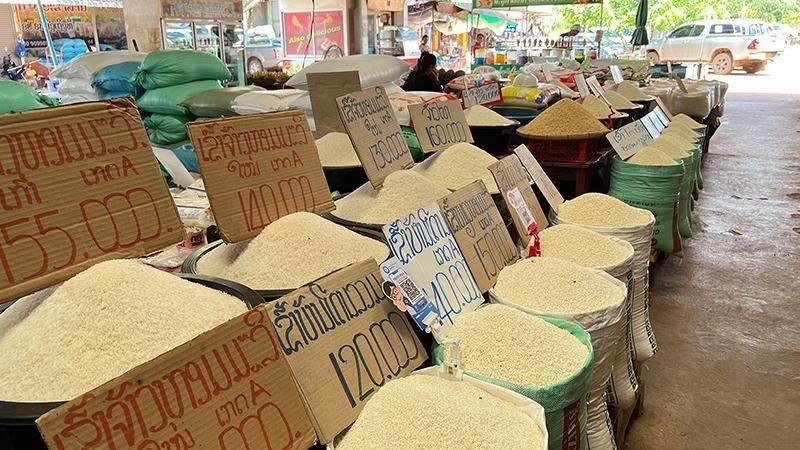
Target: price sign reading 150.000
x=79 y=184
x=379 y=143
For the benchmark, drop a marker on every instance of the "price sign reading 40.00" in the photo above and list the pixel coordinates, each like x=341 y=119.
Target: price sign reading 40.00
x=379 y=143
x=439 y=124
x=79 y=184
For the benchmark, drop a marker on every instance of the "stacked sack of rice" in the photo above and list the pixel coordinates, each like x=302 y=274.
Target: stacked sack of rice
x=169 y=78
x=77 y=77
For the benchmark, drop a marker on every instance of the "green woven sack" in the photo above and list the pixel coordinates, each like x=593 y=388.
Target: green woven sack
x=564 y=403
x=413 y=142
x=656 y=189
x=165 y=129
x=685 y=200
x=163 y=68
x=168 y=100
x=15 y=96
x=218 y=102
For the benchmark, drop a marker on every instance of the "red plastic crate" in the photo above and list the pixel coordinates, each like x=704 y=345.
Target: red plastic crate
x=571 y=151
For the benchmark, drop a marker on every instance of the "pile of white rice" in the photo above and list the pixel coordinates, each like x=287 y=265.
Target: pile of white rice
x=336 y=150
x=458 y=166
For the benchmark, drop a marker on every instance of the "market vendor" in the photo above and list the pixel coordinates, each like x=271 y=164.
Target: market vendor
x=573 y=31
x=424 y=46
x=424 y=77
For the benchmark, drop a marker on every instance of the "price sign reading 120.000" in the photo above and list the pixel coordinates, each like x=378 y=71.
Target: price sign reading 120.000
x=380 y=145
x=79 y=184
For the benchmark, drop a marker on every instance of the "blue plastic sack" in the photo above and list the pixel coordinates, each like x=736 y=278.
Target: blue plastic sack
x=187 y=157
x=118 y=77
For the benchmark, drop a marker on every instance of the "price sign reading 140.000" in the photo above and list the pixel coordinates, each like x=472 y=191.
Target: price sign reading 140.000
x=439 y=124
x=79 y=184
x=379 y=143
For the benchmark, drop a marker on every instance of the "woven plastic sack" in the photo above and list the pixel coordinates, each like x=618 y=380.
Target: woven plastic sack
x=564 y=403
x=187 y=157
x=114 y=94
x=640 y=237
x=168 y=100
x=656 y=189
x=73 y=86
x=373 y=70
x=218 y=102
x=606 y=328
x=685 y=201
x=401 y=101
x=86 y=65
x=15 y=96
x=118 y=77
x=166 y=129
x=264 y=101
x=164 y=68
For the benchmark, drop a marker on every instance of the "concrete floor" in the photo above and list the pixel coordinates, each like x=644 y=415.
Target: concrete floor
x=727 y=315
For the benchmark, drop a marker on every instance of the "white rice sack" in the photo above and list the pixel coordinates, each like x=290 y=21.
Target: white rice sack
x=373 y=70
x=87 y=64
x=72 y=86
x=264 y=101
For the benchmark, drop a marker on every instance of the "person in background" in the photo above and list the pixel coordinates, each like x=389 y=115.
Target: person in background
x=424 y=77
x=573 y=31
x=424 y=46
x=20 y=49
x=479 y=43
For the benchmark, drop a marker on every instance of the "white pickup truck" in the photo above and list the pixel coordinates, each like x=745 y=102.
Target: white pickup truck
x=726 y=44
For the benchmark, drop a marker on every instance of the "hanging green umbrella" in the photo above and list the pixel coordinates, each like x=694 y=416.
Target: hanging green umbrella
x=640 y=33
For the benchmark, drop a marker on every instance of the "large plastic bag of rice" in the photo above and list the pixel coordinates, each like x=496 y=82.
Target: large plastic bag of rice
x=264 y=101
x=163 y=68
x=219 y=102
x=546 y=359
x=446 y=413
x=611 y=217
x=614 y=256
x=118 y=78
x=589 y=297
x=168 y=100
x=373 y=70
x=165 y=129
x=654 y=185
x=98 y=325
x=401 y=101
x=15 y=96
x=86 y=65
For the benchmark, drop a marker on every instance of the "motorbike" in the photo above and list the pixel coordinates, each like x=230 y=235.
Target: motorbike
x=24 y=73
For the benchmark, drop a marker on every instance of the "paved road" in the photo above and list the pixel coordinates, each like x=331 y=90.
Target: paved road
x=727 y=315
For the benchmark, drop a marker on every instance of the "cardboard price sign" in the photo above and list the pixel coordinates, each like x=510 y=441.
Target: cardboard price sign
x=230 y=387
x=479 y=231
x=439 y=124
x=430 y=270
x=539 y=177
x=327 y=327
x=630 y=139
x=380 y=145
x=514 y=184
x=486 y=95
x=259 y=168
x=79 y=184
x=323 y=89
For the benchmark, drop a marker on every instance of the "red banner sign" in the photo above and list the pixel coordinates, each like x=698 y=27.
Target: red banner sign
x=328 y=27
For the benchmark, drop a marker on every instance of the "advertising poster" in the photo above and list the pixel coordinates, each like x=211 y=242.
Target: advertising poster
x=71 y=22
x=328 y=27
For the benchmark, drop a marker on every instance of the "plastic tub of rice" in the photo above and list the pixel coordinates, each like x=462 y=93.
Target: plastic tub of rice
x=592 y=298
x=439 y=412
x=290 y=252
x=546 y=359
x=340 y=163
x=94 y=327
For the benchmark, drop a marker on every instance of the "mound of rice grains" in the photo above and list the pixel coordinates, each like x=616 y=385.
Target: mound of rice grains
x=631 y=91
x=618 y=101
x=547 y=354
x=424 y=411
x=669 y=149
x=401 y=193
x=65 y=340
x=562 y=120
x=482 y=116
x=597 y=107
x=336 y=150
x=582 y=246
x=458 y=166
x=601 y=210
x=557 y=286
x=688 y=121
x=290 y=252
x=651 y=156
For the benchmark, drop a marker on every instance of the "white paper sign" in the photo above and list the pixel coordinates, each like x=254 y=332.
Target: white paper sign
x=426 y=251
x=539 y=177
x=653 y=117
x=616 y=73
x=583 y=88
x=547 y=74
x=629 y=139
x=651 y=127
x=662 y=117
x=486 y=95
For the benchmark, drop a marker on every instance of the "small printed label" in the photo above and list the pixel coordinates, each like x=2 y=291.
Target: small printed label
x=518 y=203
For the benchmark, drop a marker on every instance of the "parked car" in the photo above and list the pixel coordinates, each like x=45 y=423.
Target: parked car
x=726 y=44
x=777 y=37
x=262 y=49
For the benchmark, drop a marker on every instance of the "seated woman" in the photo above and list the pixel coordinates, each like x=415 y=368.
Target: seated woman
x=424 y=77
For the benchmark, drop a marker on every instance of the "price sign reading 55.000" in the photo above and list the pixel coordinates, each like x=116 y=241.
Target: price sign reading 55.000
x=379 y=143
x=78 y=184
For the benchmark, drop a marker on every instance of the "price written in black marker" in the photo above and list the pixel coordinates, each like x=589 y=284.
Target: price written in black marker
x=439 y=124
